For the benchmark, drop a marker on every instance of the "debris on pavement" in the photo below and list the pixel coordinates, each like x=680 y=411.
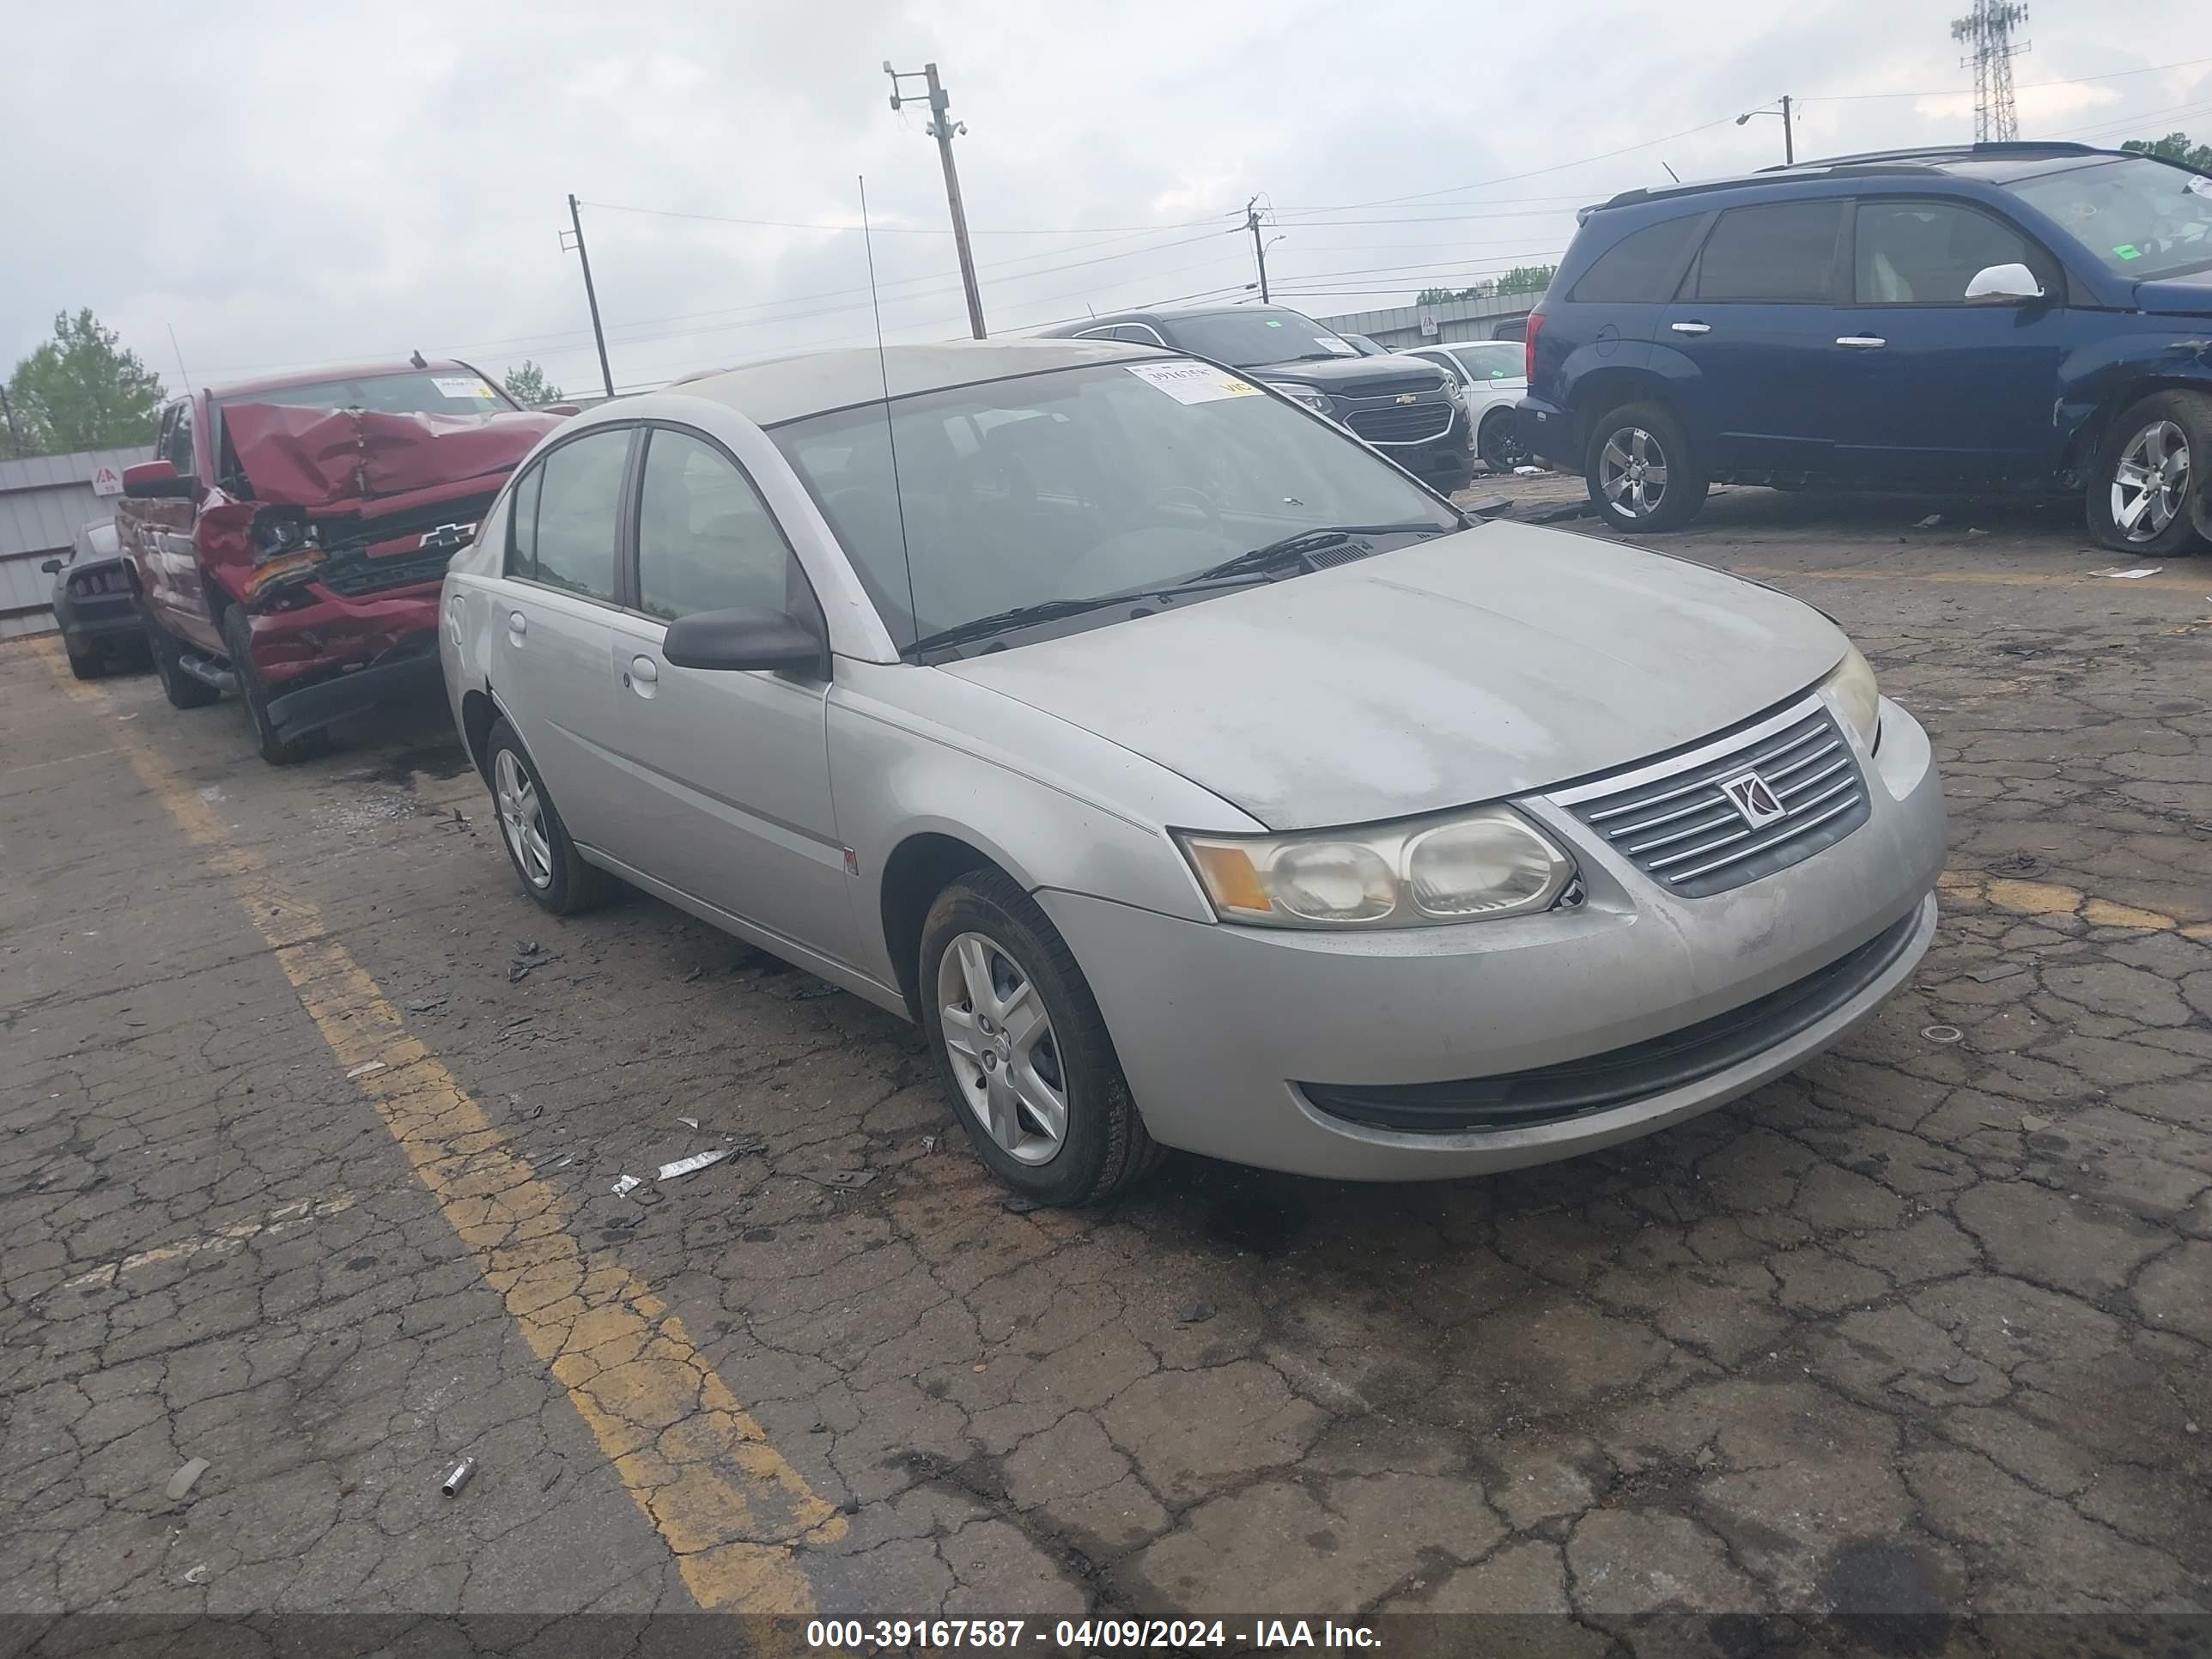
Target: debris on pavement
x=2137 y=574
x=1525 y=471
x=695 y=974
x=1930 y=522
x=929 y=1143
x=181 y=1481
x=198 y=1575
x=428 y=1004
x=458 y=1476
x=1015 y=1203
x=1971 y=534
x=1995 y=970
x=1195 y=1313
x=1961 y=1375
x=1942 y=1033
x=529 y=956
x=689 y=1122
x=840 y=1177
x=366 y=1068
x=2031 y=1124
x=697 y=1160
x=625 y=1185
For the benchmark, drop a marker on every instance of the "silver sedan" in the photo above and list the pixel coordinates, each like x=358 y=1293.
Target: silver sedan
x=1190 y=774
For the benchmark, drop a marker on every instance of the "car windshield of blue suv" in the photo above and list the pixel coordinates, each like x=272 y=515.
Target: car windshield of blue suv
x=2142 y=218
x=1044 y=494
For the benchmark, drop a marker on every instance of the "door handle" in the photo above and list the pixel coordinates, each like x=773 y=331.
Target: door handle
x=645 y=669
x=1861 y=342
x=517 y=623
x=1691 y=328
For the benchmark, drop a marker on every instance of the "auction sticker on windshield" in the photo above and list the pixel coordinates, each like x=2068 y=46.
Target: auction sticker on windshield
x=1193 y=383
x=461 y=386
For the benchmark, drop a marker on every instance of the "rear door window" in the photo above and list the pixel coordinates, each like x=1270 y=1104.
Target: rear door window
x=1781 y=252
x=522 y=552
x=1924 y=254
x=579 y=508
x=1643 y=266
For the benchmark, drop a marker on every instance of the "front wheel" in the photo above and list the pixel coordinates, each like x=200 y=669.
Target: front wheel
x=238 y=644
x=1022 y=1048
x=2153 y=461
x=1642 y=472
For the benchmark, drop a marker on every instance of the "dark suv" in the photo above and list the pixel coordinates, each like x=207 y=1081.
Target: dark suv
x=2031 y=316
x=1401 y=405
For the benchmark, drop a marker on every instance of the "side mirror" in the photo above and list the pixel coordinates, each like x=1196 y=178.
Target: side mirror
x=743 y=641
x=157 y=481
x=2002 y=285
x=52 y=566
x=561 y=409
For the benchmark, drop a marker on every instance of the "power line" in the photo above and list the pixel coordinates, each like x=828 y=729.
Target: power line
x=2025 y=86
x=903 y=230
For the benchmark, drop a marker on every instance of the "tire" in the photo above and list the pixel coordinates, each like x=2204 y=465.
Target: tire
x=1651 y=432
x=1498 y=443
x=89 y=666
x=2173 y=431
x=182 y=691
x=237 y=640
x=545 y=861
x=984 y=922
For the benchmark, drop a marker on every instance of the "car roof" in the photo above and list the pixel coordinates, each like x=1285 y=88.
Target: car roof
x=781 y=389
x=336 y=372
x=1990 y=163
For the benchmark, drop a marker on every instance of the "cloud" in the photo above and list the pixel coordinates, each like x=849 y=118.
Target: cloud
x=286 y=187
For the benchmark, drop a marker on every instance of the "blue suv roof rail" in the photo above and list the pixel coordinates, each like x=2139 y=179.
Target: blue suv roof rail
x=1875 y=162
x=1948 y=153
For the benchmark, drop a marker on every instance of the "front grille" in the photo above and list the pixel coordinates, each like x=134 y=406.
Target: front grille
x=1401 y=423
x=346 y=534
x=1548 y=1094
x=1684 y=833
x=356 y=576
x=1383 y=386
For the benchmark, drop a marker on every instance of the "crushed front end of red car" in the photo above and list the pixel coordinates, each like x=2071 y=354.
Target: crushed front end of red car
x=337 y=542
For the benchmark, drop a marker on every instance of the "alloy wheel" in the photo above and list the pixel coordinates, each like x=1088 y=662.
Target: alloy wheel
x=522 y=819
x=1631 y=471
x=999 y=1040
x=2151 y=483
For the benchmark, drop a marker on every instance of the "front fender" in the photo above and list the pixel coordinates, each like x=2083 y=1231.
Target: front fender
x=916 y=751
x=2105 y=374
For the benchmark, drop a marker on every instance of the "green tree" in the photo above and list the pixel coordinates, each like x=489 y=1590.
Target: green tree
x=528 y=386
x=1522 y=279
x=83 y=390
x=2175 y=147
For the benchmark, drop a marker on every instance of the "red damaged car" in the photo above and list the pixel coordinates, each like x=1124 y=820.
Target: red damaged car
x=288 y=540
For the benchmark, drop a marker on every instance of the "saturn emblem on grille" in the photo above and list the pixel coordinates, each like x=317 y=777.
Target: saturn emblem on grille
x=1750 y=794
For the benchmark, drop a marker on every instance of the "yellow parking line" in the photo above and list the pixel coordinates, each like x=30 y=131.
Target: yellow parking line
x=2196 y=584
x=696 y=1464
x=2051 y=899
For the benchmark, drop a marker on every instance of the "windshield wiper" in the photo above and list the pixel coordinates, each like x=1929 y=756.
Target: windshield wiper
x=982 y=628
x=1292 y=549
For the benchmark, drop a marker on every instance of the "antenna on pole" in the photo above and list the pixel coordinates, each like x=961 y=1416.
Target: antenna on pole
x=884 y=377
x=1987 y=30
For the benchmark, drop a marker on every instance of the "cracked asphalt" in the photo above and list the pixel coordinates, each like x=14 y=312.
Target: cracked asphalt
x=311 y=1120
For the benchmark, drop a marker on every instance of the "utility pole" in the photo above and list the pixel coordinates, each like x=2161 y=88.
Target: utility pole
x=942 y=129
x=591 y=294
x=1259 y=247
x=1988 y=30
x=1788 y=134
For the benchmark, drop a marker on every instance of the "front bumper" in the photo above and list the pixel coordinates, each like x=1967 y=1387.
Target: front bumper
x=410 y=669
x=1217 y=1025
x=106 y=620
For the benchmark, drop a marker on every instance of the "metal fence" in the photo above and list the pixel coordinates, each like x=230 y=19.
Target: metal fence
x=43 y=501
x=1495 y=317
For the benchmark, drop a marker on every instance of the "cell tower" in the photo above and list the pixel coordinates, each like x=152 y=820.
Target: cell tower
x=1988 y=30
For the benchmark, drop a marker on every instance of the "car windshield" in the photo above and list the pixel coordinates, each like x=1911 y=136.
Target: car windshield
x=2140 y=217
x=426 y=392
x=1501 y=362
x=1076 y=482
x=1257 y=335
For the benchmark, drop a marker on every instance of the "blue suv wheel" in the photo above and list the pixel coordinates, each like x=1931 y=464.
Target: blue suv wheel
x=1641 y=470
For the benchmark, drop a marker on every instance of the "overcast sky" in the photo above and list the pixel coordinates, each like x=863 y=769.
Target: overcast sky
x=286 y=186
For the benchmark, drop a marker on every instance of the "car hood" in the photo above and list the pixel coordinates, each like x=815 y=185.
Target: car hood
x=315 y=458
x=2177 y=297
x=1481 y=665
x=1353 y=376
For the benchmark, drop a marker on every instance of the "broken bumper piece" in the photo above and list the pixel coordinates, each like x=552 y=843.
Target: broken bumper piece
x=412 y=670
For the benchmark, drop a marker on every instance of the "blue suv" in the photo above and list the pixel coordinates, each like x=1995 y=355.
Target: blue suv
x=2036 y=317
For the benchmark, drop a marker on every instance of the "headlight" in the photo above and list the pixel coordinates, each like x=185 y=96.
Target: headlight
x=1491 y=862
x=1300 y=393
x=1853 y=688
